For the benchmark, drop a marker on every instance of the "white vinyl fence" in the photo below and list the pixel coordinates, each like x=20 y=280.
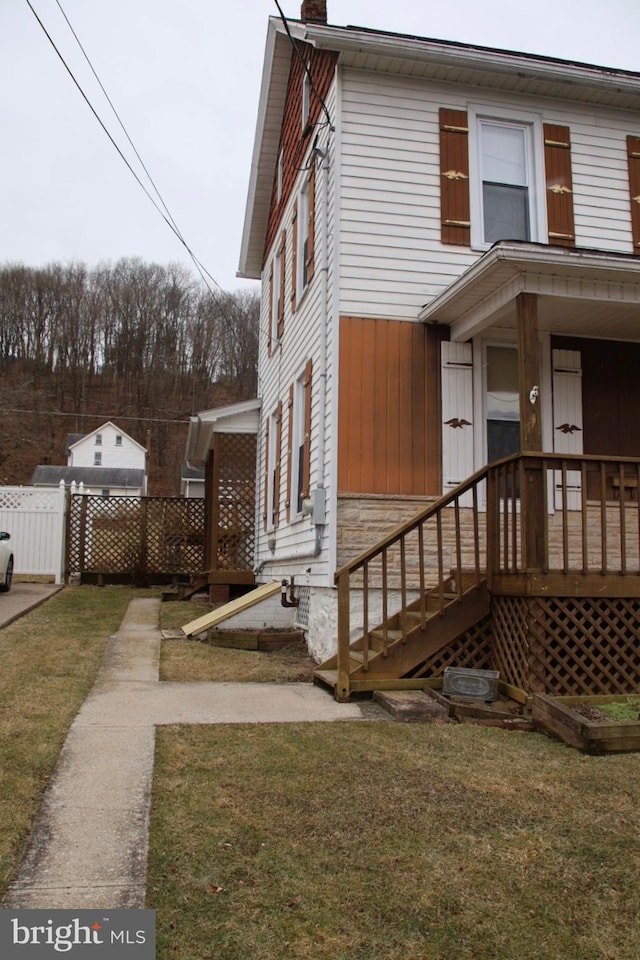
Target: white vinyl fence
x=35 y=519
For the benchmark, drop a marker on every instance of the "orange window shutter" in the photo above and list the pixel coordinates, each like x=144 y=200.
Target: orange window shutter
x=633 y=159
x=294 y=258
x=312 y=220
x=557 y=164
x=278 y=459
x=265 y=515
x=455 y=210
x=283 y=273
x=289 y=451
x=306 y=460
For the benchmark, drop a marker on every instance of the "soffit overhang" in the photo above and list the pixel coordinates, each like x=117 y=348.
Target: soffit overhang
x=587 y=293
x=436 y=60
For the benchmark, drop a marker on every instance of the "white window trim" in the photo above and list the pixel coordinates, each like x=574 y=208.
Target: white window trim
x=533 y=125
x=272 y=459
x=297 y=440
x=302 y=236
x=306 y=95
x=276 y=292
x=280 y=175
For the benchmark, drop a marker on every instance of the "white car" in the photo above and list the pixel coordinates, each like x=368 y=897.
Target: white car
x=6 y=561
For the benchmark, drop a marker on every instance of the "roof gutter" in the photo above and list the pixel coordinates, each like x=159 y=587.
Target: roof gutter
x=396 y=46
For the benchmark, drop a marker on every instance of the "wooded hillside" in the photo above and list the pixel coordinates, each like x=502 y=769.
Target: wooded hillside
x=137 y=343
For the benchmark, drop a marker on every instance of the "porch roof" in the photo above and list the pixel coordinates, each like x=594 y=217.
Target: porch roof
x=581 y=292
x=237 y=418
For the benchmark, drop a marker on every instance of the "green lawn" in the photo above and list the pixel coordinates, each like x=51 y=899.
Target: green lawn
x=50 y=659
x=394 y=842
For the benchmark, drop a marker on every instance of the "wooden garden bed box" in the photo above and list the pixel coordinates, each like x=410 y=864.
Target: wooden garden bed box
x=559 y=717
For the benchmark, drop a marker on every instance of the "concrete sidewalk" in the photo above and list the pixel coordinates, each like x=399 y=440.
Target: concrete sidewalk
x=89 y=845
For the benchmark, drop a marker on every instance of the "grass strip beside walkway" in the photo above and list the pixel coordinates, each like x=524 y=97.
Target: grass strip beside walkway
x=50 y=659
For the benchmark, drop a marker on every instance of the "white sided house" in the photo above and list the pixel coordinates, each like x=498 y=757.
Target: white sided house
x=107 y=462
x=448 y=242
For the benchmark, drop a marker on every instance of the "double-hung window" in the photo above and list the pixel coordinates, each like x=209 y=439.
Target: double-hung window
x=506 y=178
x=297 y=447
x=303 y=239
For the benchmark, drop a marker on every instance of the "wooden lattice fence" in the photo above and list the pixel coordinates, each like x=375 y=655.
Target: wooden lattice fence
x=134 y=539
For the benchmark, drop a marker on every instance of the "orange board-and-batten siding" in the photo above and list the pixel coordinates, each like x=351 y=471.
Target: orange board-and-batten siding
x=389 y=408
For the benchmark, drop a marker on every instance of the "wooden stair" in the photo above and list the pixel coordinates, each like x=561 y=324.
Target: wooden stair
x=406 y=640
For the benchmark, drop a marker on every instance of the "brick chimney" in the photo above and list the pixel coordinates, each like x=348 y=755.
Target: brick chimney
x=314 y=11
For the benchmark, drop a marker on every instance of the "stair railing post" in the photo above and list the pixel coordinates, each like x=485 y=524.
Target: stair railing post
x=342 y=691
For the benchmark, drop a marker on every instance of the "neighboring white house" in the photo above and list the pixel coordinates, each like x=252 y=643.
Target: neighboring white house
x=191 y=481
x=414 y=211
x=107 y=462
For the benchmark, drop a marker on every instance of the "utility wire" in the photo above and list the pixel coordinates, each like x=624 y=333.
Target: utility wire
x=92 y=416
x=166 y=216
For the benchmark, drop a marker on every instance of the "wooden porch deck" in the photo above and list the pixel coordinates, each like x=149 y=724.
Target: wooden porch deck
x=556 y=554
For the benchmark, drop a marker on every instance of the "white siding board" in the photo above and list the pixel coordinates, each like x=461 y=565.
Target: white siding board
x=391 y=186
x=300 y=342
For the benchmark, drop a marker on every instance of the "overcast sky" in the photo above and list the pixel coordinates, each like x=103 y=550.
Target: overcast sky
x=184 y=76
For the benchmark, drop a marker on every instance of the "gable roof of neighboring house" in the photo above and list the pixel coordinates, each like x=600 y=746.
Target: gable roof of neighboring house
x=438 y=60
x=49 y=475
x=75 y=438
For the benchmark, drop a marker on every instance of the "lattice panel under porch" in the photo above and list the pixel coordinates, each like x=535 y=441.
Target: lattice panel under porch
x=585 y=646
x=471 y=649
x=510 y=654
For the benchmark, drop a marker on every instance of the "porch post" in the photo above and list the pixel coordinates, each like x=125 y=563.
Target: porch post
x=529 y=372
x=532 y=499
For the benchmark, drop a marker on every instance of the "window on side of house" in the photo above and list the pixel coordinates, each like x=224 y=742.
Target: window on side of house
x=506 y=179
x=306 y=96
x=297 y=447
x=279 y=175
x=272 y=480
x=118 y=440
x=303 y=240
x=304 y=234
x=277 y=284
x=97 y=459
x=98 y=439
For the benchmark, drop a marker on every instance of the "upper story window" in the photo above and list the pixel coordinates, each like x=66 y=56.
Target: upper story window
x=303 y=238
x=306 y=96
x=118 y=440
x=279 y=175
x=97 y=459
x=98 y=439
x=505 y=168
x=302 y=259
x=506 y=177
x=276 y=301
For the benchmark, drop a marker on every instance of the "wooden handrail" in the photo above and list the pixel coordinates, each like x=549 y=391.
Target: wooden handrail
x=518 y=542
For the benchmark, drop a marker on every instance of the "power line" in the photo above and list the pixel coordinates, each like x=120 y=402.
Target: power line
x=93 y=416
x=166 y=216
x=305 y=65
